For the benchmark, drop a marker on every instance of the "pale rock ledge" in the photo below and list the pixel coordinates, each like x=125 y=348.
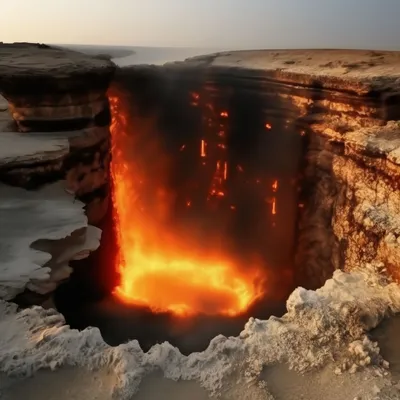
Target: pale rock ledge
x=40 y=232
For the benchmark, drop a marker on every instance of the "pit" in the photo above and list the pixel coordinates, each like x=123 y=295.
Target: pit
x=228 y=193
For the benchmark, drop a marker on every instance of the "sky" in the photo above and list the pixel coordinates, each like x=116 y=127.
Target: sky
x=235 y=24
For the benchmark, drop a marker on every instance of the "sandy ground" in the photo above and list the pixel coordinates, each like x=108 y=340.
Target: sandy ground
x=282 y=384
x=80 y=384
x=64 y=384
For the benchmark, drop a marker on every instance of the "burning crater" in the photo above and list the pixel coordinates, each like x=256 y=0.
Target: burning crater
x=231 y=187
x=176 y=218
x=207 y=194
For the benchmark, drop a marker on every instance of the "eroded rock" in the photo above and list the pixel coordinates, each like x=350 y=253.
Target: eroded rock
x=52 y=89
x=54 y=164
x=347 y=103
x=40 y=233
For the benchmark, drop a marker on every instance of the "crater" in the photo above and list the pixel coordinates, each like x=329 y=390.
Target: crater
x=210 y=167
x=235 y=177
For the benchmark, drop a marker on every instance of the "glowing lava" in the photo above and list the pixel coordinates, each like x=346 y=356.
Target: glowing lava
x=157 y=270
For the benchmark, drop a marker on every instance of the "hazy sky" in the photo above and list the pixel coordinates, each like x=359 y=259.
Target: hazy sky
x=205 y=23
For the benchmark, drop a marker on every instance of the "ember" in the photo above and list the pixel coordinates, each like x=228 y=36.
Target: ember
x=158 y=269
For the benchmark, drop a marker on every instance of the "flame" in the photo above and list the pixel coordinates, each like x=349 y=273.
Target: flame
x=273 y=209
x=157 y=269
x=268 y=126
x=203 y=148
x=224 y=114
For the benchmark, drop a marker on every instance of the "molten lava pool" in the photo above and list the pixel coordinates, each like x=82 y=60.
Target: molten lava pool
x=161 y=267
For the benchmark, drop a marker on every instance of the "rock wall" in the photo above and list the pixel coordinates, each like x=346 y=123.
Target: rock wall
x=54 y=165
x=347 y=105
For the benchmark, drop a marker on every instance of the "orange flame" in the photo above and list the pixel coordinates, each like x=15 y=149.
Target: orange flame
x=203 y=148
x=225 y=170
x=155 y=270
x=273 y=210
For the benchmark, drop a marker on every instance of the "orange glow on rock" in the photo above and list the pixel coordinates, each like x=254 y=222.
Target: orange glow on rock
x=158 y=268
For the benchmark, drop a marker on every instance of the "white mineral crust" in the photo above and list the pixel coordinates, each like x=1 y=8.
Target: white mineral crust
x=323 y=326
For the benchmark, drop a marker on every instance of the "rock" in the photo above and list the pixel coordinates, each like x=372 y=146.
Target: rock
x=52 y=69
x=55 y=153
x=52 y=89
x=40 y=233
x=358 y=71
x=346 y=104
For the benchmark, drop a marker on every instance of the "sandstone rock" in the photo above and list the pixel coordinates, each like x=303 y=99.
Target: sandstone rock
x=51 y=88
x=27 y=67
x=356 y=71
x=39 y=233
x=59 y=97
x=348 y=104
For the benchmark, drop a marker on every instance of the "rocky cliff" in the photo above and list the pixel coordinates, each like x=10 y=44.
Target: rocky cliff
x=54 y=164
x=349 y=103
x=344 y=105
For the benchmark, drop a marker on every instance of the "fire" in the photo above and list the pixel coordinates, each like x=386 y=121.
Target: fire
x=225 y=171
x=203 y=148
x=273 y=210
x=158 y=269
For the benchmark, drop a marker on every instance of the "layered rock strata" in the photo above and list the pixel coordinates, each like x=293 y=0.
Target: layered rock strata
x=54 y=164
x=349 y=103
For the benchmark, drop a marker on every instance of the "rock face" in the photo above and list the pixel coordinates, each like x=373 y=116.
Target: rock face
x=346 y=106
x=54 y=164
x=51 y=89
x=349 y=102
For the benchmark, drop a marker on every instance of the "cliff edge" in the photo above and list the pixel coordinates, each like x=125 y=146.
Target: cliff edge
x=54 y=165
